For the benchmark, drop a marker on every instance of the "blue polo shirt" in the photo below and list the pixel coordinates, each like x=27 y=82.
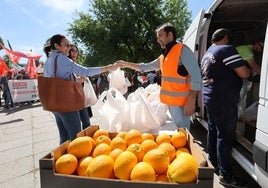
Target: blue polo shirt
x=221 y=83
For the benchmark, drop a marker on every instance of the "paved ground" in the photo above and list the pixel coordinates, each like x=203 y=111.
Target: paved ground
x=27 y=134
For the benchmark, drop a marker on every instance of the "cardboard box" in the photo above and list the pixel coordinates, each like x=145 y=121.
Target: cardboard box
x=50 y=179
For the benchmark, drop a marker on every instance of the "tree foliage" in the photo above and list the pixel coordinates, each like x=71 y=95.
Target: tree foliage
x=124 y=29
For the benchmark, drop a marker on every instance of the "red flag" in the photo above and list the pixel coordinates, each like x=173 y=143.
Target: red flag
x=31 y=68
x=3 y=67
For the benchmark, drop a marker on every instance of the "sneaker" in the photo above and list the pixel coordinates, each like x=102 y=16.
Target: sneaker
x=234 y=182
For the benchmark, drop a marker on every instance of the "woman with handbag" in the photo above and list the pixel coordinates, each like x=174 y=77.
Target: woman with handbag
x=59 y=67
x=84 y=113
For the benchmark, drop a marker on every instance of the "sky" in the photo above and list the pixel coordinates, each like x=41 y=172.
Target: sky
x=27 y=24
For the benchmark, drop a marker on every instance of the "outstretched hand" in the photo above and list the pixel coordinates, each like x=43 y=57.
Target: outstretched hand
x=120 y=63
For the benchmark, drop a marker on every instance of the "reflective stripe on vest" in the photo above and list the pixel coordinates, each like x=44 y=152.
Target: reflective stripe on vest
x=174 y=88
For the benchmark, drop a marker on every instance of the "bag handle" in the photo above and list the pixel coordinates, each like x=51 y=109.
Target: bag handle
x=55 y=66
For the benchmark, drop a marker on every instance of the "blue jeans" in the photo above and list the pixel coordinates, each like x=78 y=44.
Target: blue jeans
x=84 y=117
x=221 y=134
x=68 y=124
x=177 y=115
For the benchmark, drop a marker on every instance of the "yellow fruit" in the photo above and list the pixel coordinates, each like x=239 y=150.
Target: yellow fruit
x=122 y=134
x=170 y=149
x=103 y=139
x=137 y=150
x=147 y=136
x=183 y=149
x=124 y=164
x=100 y=167
x=158 y=159
x=183 y=169
x=133 y=137
x=115 y=152
x=100 y=132
x=142 y=171
x=82 y=165
x=102 y=149
x=66 y=164
x=148 y=145
x=118 y=142
x=80 y=147
x=161 y=178
x=162 y=137
x=178 y=139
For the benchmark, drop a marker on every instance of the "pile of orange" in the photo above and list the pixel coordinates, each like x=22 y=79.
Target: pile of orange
x=130 y=155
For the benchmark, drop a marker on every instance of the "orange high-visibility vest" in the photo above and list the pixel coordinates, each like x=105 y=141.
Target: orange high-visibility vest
x=174 y=88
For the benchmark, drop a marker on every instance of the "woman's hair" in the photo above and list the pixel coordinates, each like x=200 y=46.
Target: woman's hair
x=71 y=49
x=47 y=49
x=56 y=39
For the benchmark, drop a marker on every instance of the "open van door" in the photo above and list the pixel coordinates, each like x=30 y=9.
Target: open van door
x=260 y=147
x=191 y=36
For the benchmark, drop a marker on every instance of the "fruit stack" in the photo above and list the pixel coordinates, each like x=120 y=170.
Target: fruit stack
x=130 y=155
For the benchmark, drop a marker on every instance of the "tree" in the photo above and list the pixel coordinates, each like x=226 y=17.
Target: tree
x=124 y=29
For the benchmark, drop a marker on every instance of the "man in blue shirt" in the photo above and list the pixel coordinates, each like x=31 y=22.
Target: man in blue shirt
x=222 y=70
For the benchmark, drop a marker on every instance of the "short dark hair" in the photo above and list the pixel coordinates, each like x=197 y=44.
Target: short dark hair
x=167 y=27
x=219 y=34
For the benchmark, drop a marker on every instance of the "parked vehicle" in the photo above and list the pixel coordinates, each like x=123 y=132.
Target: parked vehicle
x=247 y=20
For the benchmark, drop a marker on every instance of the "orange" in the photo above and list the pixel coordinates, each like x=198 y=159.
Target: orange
x=115 y=152
x=137 y=150
x=183 y=149
x=93 y=143
x=183 y=169
x=100 y=132
x=133 y=137
x=147 y=136
x=161 y=178
x=124 y=164
x=66 y=164
x=100 y=167
x=178 y=139
x=162 y=137
x=158 y=159
x=142 y=171
x=102 y=149
x=82 y=165
x=170 y=149
x=103 y=139
x=80 y=147
x=122 y=134
x=148 y=145
x=118 y=142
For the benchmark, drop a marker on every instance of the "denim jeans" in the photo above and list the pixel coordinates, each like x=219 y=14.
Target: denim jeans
x=177 y=115
x=84 y=118
x=221 y=134
x=68 y=124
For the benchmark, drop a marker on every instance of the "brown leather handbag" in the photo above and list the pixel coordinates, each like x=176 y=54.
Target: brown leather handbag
x=60 y=95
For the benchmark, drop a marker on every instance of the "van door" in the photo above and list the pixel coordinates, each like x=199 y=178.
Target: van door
x=191 y=36
x=260 y=146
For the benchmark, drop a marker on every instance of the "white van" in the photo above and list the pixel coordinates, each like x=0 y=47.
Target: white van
x=247 y=19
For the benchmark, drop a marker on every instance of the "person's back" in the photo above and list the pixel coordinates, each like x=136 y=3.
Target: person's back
x=221 y=84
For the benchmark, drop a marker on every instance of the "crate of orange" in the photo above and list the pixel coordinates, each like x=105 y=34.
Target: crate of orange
x=98 y=158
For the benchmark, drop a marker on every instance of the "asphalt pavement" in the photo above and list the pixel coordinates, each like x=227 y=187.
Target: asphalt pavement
x=28 y=133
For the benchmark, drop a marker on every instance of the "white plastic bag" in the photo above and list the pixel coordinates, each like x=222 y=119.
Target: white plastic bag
x=112 y=109
x=141 y=114
x=152 y=94
x=118 y=81
x=90 y=95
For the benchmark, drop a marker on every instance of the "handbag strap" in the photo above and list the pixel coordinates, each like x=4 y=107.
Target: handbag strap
x=55 y=66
